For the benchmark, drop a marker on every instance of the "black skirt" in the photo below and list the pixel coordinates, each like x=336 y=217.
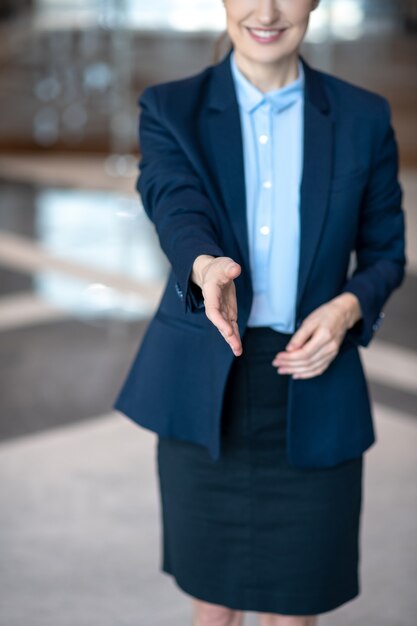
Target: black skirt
x=250 y=531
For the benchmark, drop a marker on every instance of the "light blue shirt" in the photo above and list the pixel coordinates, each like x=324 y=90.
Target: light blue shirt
x=272 y=128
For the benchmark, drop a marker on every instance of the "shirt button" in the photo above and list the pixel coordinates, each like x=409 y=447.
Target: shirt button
x=267 y=184
x=265 y=230
x=263 y=138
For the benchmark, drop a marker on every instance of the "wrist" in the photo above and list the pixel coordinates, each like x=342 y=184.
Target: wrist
x=350 y=304
x=200 y=263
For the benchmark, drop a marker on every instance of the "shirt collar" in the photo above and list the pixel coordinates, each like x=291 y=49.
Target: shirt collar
x=250 y=97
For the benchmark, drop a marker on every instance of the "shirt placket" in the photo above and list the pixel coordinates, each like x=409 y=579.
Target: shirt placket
x=263 y=224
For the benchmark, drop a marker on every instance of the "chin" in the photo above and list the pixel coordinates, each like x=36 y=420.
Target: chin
x=268 y=56
x=261 y=53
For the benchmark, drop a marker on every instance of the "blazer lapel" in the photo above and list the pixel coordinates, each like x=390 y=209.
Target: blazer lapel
x=226 y=146
x=316 y=174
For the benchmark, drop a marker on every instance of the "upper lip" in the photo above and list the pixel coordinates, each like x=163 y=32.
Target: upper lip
x=267 y=29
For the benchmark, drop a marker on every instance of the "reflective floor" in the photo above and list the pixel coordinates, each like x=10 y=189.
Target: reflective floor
x=93 y=235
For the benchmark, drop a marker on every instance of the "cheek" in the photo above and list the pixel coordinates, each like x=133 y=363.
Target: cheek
x=300 y=24
x=234 y=29
x=299 y=12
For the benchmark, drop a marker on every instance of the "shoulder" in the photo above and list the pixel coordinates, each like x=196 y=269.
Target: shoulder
x=347 y=98
x=180 y=94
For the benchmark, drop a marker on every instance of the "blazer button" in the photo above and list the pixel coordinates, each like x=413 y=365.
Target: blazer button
x=376 y=325
x=179 y=290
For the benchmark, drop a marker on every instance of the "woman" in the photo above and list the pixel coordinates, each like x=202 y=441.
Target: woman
x=262 y=175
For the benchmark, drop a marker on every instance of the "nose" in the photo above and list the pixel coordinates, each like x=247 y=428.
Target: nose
x=267 y=11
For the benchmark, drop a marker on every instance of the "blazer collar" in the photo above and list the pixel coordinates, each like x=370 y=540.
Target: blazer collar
x=250 y=97
x=222 y=92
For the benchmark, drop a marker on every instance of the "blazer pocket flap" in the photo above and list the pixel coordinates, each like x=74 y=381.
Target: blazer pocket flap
x=177 y=322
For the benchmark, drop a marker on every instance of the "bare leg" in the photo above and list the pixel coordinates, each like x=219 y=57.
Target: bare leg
x=207 y=614
x=274 y=619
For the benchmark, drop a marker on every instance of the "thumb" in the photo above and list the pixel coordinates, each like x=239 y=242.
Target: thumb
x=294 y=344
x=232 y=269
x=299 y=338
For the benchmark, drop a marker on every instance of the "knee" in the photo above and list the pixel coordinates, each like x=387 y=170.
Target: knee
x=207 y=614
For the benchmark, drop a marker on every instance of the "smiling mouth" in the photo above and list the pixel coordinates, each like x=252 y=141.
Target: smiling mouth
x=266 y=34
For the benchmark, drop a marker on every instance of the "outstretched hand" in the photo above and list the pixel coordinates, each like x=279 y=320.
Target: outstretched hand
x=215 y=278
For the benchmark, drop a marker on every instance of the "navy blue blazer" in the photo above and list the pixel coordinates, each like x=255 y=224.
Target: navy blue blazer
x=192 y=187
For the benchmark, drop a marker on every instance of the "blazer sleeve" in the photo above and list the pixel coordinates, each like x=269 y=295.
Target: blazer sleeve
x=174 y=200
x=380 y=244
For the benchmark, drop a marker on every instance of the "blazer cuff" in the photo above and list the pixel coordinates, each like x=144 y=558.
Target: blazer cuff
x=363 y=330
x=189 y=292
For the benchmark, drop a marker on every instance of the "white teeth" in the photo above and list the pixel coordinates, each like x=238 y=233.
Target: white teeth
x=265 y=33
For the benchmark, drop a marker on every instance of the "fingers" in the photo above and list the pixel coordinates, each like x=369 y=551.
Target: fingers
x=309 y=354
x=235 y=343
x=223 y=325
x=228 y=328
x=300 y=337
x=312 y=369
x=229 y=272
x=302 y=346
x=312 y=358
x=221 y=269
x=234 y=339
x=221 y=305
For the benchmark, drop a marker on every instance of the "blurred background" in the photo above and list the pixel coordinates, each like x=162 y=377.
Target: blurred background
x=81 y=272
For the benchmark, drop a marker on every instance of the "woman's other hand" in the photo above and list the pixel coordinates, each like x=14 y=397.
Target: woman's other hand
x=316 y=342
x=215 y=276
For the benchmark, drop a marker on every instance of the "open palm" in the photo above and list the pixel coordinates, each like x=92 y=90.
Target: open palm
x=220 y=302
